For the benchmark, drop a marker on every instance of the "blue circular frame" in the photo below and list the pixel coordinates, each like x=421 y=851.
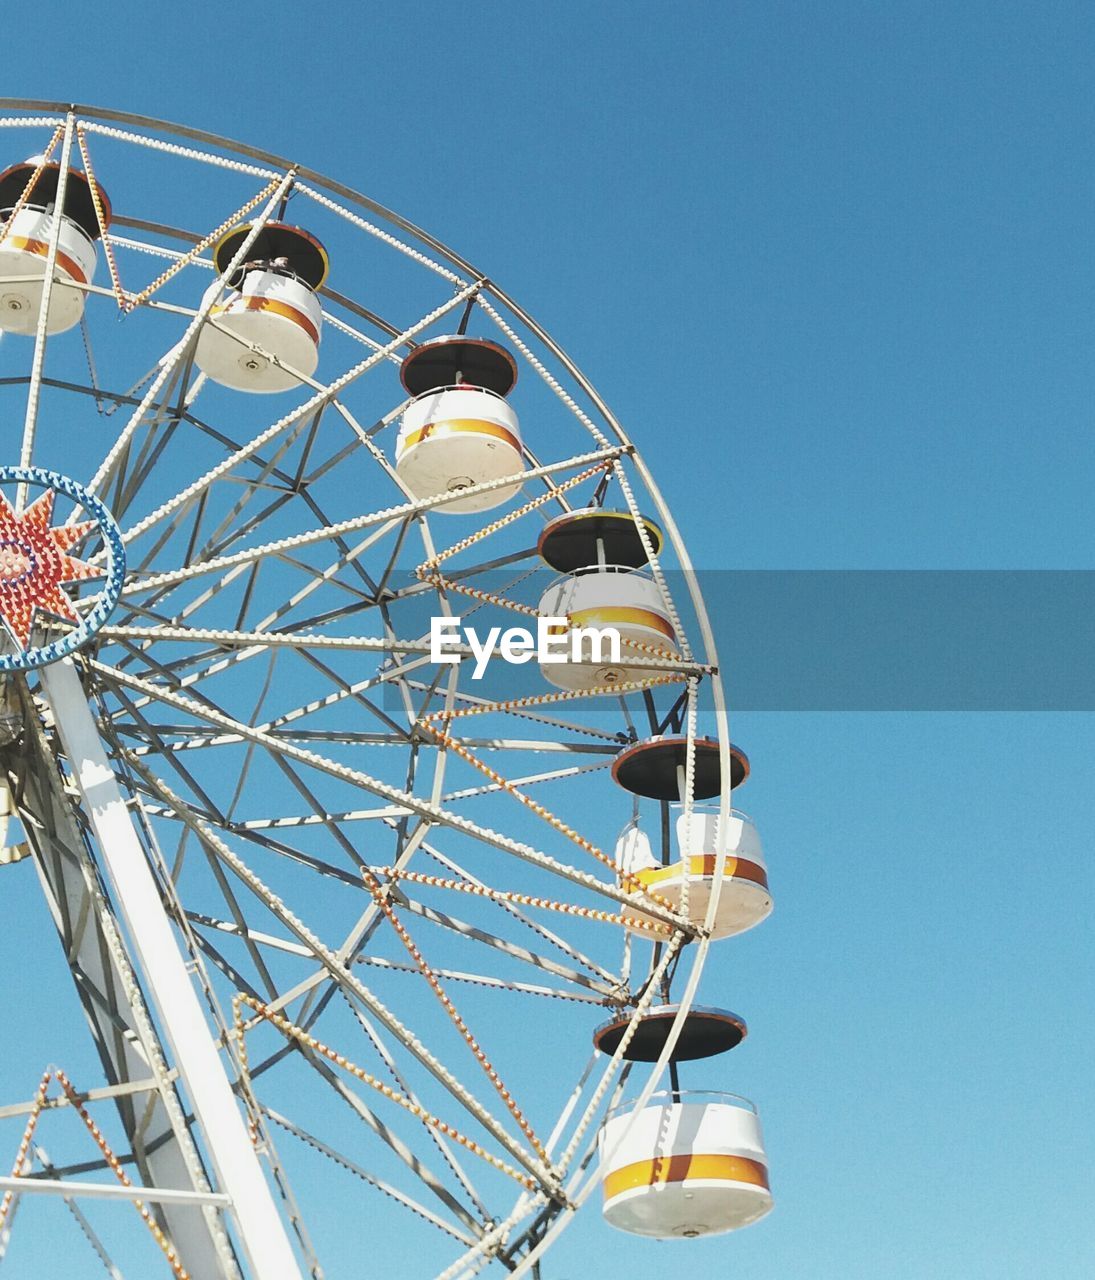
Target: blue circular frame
x=29 y=659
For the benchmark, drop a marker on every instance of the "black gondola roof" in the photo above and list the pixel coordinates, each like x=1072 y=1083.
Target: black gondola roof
x=649 y=768
x=79 y=205
x=569 y=542
x=441 y=362
x=306 y=256
x=705 y=1032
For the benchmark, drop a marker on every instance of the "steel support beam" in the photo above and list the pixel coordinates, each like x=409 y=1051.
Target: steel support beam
x=261 y=1232
x=128 y=1047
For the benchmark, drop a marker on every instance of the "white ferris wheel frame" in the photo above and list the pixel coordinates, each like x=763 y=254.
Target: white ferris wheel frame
x=245 y=1197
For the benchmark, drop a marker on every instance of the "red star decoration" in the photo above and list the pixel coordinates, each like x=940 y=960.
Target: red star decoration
x=34 y=563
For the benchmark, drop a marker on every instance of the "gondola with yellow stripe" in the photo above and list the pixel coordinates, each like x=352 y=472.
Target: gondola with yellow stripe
x=689 y=1163
x=686 y=1163
x=655 y=769
x=459 y=431
x=605 y=588
x=28 y=209
x=264 y=335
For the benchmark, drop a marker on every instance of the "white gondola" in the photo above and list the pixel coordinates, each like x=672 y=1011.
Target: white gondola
x=688 y=1164
x=276 y=313
x=607 y=598
x=272 y=306
x=744 y=900
x=27 y=235
x=455 y=437
x=459 y=430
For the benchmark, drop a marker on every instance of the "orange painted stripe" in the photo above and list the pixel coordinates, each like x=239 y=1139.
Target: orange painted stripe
x=704 y=865
x=270 y=304
x=606 y=615
x=40 y=248
x=457 y=426
x=684 y=1168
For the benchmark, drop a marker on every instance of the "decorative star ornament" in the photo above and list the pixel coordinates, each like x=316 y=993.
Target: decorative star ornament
x=34 y=562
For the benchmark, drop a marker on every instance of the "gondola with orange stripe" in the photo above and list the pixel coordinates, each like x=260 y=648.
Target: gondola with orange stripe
x=28 y=199
x=605 y=587
x=688 y=1164
x=459 y=430
x=656 y=769
x=264 y=336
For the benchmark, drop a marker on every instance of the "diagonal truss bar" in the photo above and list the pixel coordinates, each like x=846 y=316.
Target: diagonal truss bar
x=400 y=1197
x=330 y=531
x=111 y=1191
x=339 y=971
x=168 y=366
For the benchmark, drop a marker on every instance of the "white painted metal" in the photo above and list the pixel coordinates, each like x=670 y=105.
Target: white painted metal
x=261 y=1232
x=41 y=330
x=129 y=1046
x=109 y=1191
x=150 y=727
x=455 y=439
x=278 y=313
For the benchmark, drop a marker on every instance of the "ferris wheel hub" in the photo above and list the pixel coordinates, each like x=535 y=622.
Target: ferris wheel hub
x=36 y=562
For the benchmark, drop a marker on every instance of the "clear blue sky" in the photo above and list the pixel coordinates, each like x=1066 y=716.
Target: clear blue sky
x=832 y=266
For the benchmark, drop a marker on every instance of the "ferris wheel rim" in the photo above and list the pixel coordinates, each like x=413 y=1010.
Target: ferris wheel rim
x=244 y=149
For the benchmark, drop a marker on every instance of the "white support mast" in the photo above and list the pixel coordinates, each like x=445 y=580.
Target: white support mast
x=259 y=1227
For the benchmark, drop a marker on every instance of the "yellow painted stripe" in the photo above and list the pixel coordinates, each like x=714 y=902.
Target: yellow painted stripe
x=40 y=248
x=704 y=865
x=458 y=426
x=271 y=304
x=683 y=1168
x=608 y=615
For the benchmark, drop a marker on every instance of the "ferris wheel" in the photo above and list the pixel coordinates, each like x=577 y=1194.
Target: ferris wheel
x=355 y=684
